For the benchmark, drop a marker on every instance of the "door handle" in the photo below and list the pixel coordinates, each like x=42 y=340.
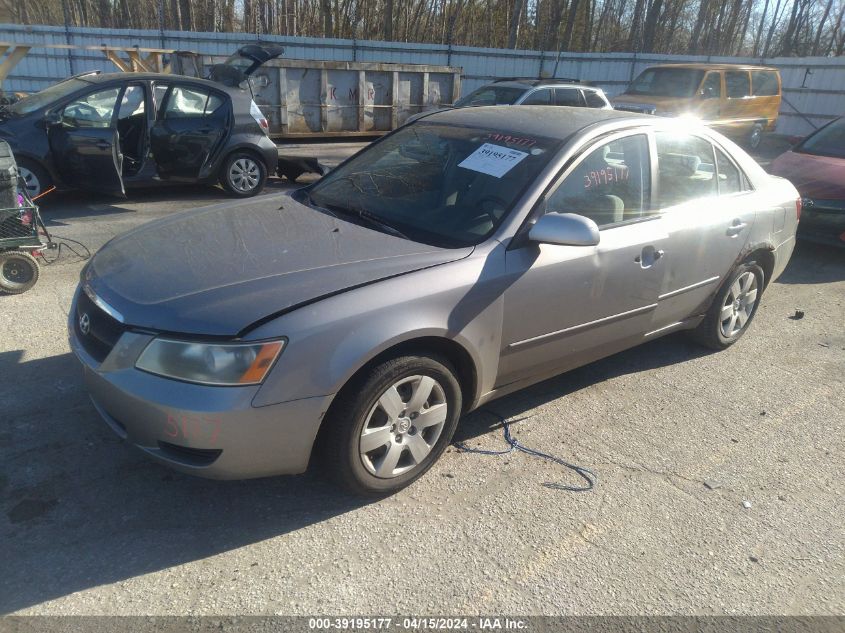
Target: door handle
x=104 y=145
x=736 y=227
x=648 y=256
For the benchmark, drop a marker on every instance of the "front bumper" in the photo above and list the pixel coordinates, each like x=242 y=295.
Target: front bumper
x=823 y=221
x=212 y=432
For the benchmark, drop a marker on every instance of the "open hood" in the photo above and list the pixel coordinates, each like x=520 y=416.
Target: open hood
x=245 y=61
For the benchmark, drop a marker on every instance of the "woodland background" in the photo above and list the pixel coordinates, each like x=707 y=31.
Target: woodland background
x=758 y=28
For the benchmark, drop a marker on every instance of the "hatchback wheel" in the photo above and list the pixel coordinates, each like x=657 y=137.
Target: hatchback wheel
x=18 y=272
x=243 y=175
x=33 y=178
x=733 y=309
x=388 y=428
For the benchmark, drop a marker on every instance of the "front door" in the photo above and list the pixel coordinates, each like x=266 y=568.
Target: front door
x=85 y=145
x=191 y=123
x=569 y=305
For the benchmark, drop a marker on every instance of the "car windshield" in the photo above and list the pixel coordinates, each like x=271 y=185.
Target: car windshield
x=666 y=82
x=39 y=100
x=439 y=184
x=491 y=95
x=827 y=141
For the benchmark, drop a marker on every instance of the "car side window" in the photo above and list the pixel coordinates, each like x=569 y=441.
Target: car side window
x=94 y=110
x=611 y=184
x=685 y=169
x=539 y=97
x=568 y=97
x=731 y=180
x=764 y=83
x=594 y=100
x=184 y=103
x=737 y=84
x=712 y=86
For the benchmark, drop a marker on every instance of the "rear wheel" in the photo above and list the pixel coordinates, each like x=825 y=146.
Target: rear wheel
x=34 y=177
x=18 y=272
x=755 y=136
x=733 y=308
x=388 y=428
x=243 y=174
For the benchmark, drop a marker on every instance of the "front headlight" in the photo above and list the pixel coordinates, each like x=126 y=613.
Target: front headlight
x=210 y=363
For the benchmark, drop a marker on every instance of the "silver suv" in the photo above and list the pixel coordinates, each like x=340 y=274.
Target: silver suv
x=567 y=92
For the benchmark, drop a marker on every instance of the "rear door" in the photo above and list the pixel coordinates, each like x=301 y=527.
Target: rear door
x=191 y=123
x=704 y=199
x=85 y=143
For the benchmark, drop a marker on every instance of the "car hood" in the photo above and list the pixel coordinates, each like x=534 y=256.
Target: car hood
x=216 y=271
x=820 y=177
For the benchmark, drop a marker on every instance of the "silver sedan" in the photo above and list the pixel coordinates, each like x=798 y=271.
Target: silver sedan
x=469 y=254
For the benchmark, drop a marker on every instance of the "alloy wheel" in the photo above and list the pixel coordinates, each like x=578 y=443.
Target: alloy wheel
x=244 y=174
x=403 y=426
x=30 y=181
x=739 y=304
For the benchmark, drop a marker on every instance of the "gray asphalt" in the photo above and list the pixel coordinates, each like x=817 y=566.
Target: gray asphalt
x=680 y=438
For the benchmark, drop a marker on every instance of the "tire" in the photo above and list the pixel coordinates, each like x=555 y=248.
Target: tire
x=18 y=272
x=243 y=174
x=755 y=136
x=35 y=176
x=733 y=308
x=378 y=406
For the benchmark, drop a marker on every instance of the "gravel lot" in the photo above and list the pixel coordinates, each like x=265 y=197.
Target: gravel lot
x=680 y=439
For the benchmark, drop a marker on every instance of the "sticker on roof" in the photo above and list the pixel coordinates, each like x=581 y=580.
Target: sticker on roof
x=493 y=160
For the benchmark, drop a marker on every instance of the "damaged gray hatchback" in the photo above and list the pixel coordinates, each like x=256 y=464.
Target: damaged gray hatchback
x=462 y=257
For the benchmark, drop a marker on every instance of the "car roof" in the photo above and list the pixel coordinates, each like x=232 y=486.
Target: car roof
x=559 y=122
x=705 y=66
x=96 y=78
x=533 y=83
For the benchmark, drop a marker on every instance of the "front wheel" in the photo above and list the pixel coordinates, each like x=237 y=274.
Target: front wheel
x=389 y=428
x=243 y=175
x=733 y=308
x=33 y=177
x=18 y=272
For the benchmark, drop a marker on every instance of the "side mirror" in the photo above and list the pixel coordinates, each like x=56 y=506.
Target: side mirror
x=52 y=118
x=565 y=229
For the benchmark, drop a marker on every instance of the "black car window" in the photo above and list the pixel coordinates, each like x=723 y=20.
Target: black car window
x=712 y=86
x=539 y=97
x=685 y=169
x=568 y=97
x=491 y=95
x=826 y=141
x=737 y=84
x=611 y=184
x=132 y=102
x=594 y=100
x=93 y=110
x=730 y=178
x=184 y=103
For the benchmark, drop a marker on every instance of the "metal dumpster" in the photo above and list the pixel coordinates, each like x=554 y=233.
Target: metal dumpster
x=304 y=98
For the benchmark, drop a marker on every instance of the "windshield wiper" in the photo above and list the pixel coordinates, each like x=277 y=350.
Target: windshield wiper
x=362 y=214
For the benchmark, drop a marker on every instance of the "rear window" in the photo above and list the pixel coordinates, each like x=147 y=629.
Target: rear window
x=737 y=84
x=594 y=100
x=827 y=141
x=764 y=83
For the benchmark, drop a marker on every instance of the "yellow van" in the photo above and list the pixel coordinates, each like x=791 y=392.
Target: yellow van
x=738 y=100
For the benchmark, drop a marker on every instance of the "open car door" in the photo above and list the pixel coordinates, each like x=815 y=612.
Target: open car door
x=85 y=143
x=245 y=61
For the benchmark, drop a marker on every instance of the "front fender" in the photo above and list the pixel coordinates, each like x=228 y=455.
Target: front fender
x=329 y=341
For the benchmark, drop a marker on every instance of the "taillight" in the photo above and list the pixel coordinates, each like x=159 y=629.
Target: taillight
x=264 y=125
x=259 y=117
x=799 y=204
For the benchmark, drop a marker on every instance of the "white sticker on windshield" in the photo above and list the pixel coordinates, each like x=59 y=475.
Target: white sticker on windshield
x=494 y=160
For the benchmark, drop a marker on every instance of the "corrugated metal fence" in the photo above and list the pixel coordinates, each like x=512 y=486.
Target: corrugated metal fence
x=814 y=87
